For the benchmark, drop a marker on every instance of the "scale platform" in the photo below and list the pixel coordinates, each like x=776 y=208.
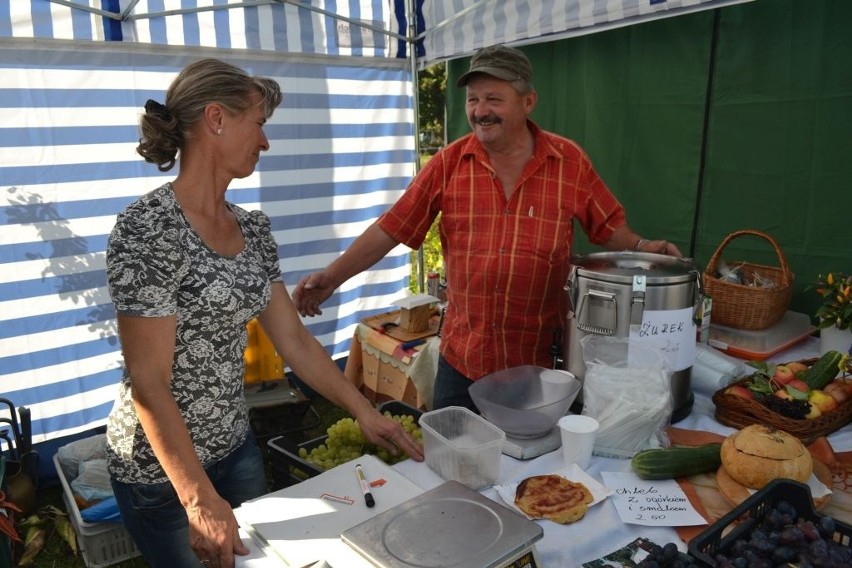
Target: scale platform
x=449 y=525
x=528 y=448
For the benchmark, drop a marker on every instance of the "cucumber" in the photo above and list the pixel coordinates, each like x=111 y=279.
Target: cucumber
x=677 y=461
x=823 y=371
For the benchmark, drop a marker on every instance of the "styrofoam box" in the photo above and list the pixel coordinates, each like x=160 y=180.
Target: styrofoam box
x=101 y=544
x=462 y=446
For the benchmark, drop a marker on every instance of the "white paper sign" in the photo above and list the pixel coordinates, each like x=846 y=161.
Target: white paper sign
x=670 y=331
x=651 y=503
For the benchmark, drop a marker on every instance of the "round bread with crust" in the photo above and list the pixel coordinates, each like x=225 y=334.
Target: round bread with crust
x=757 y=454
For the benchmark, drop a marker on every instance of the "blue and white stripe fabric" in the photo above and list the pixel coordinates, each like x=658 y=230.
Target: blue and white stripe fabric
x=342 y=150
x=446 y=29
x=322 y=27
x=74 y=78
x=453 y=28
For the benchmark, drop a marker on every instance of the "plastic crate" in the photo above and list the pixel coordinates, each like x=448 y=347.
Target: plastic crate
x=288 y=468
x=743 y=519
x=101 y=544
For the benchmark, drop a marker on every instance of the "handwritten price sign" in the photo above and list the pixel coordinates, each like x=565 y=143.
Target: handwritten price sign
x=660 y=503
x=672 y=332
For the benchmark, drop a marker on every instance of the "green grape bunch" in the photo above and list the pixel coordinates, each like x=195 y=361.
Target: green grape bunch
x=345 y=442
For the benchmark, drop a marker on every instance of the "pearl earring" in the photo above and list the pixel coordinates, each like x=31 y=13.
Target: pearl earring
x=219 y=132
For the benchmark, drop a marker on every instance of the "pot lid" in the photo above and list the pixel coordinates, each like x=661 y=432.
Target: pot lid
x=620 y=267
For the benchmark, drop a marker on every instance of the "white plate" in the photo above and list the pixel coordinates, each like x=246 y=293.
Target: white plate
x=571 y=473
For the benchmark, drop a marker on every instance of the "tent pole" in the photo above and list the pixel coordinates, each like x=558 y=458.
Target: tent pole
x=411 y=41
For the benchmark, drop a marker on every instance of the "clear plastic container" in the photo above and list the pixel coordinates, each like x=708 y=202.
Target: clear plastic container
x=462 y=446
x=761 y=344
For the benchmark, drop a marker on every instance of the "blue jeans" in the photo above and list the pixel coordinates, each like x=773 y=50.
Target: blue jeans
x=451 y=388
x=157 y=521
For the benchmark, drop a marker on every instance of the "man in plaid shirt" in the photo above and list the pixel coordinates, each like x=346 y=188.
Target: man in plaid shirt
x=508 y=194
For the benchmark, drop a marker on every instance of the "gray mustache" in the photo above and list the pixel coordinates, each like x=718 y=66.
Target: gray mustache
x=486 y=119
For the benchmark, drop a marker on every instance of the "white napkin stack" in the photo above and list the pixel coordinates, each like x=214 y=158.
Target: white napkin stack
x=714 y=370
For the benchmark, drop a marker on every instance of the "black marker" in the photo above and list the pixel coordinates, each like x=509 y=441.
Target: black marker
x=365 y=486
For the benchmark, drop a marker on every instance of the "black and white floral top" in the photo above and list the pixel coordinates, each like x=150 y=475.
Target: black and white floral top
x=158 y=266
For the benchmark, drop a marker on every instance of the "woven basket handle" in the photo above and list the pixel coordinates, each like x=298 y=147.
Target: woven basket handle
x=714 y=260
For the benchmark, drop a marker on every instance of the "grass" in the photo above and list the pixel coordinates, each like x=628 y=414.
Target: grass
x=57 y=554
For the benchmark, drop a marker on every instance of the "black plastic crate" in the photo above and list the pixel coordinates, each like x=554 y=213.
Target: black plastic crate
x=288 y=468
x=743 y=519
x=399 y=408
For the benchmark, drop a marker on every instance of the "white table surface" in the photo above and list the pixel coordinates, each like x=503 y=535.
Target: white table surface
x=601 y=531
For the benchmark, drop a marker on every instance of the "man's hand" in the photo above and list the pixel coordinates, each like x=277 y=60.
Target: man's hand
x=311 y=292
x=660 y=247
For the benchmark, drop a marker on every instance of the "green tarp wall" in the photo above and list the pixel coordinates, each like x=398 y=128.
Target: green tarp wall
x=705 y=124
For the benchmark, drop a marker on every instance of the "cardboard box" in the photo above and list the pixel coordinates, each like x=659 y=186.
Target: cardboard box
x=416 y=319
x=415 y=312
x=382 y=382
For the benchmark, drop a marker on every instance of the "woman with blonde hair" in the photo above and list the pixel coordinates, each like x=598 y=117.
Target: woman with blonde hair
x=187 y=270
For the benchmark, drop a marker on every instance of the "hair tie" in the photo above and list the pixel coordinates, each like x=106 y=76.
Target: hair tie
x=158 y=110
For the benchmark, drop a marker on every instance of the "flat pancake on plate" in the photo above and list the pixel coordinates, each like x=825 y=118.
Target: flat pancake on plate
x=553 y=497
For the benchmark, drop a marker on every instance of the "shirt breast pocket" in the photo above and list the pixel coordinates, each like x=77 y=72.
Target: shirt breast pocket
x=545 y=235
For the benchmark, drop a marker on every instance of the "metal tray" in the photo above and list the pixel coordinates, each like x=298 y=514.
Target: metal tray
x=449 y=525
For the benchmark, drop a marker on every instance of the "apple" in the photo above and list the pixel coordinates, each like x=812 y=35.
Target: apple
x=814 y=412
x=740 y=391
x=837 y=390
x=782 y=393
x=825 y=402
x=801 y=386
x=783 y=375
x=797 y=367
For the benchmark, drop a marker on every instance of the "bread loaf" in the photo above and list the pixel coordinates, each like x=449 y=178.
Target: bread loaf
x=757 y=454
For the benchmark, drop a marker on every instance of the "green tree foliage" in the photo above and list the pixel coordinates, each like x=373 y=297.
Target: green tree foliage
x=432 y=86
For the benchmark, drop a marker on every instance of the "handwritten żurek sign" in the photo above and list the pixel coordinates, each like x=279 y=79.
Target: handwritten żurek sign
x=672 y=332
x=652 y=503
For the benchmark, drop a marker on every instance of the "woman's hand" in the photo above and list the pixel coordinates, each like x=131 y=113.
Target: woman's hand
x=389 y=434
x=214 y=533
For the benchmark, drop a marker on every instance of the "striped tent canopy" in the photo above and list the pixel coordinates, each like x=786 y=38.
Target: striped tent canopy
x=75 y=76
x=453 y=28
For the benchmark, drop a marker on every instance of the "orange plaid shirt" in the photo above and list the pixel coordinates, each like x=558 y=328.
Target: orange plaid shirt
x=507 y=261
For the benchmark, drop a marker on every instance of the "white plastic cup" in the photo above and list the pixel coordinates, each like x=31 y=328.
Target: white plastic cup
x=578 y=438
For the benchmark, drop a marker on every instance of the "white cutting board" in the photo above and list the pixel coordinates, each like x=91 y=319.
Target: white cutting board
x=301 y=524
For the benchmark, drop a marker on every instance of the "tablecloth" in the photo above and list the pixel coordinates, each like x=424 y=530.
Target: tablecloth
x=601 y=531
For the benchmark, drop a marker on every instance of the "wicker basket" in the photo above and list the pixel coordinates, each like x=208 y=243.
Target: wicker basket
x=739 y=412
x=749 y=307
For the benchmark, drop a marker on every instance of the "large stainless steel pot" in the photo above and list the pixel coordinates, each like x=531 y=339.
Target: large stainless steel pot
x=640 y=296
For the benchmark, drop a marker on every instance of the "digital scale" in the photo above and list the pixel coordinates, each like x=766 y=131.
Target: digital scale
x=450 y=525
x=528 y=448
